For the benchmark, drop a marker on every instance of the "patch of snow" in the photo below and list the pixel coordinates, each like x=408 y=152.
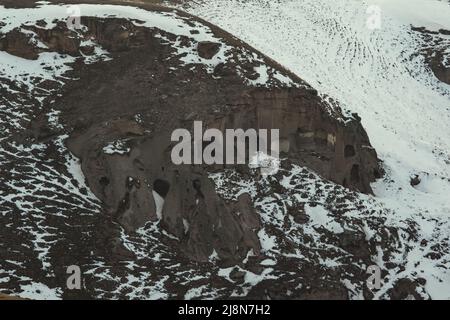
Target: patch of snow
x=39 y=291
x=268 y=243
x=253 y=279
x=117 y=147
x=159 y=203
x=99 y=54
x=185 y=226
x=214 y=256
x=193 y=293
x=370 y=72
x=48 y=66
x=431 y=14
x=268 y=262
x=263 y=72
x=268 y=165
x=380 y=75
x=320 y=218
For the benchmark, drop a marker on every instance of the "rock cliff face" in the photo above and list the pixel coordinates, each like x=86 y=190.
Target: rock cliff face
x=435 y=51
x=131 y=84
x=121 y=114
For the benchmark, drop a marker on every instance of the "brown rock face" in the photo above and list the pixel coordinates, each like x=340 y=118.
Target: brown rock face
x=435 y=52
x=59 y=39
x=18 y=44
x=441 y=72
x=339 y=152
x=23 y=45
x=120 y=116
x=208 y=50
x=193 y=212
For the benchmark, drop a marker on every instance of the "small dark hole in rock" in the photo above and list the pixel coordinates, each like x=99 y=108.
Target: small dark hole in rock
x=415 y=180
x=104 y=181
x=161 y=187
x=354 y=174
x=349 y=151
x=196 y=184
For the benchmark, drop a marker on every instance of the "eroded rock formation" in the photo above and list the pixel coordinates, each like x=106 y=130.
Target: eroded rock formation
x=435 y=52
x=121 y=113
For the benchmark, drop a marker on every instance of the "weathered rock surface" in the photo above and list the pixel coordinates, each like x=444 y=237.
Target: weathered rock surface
x=255 y=237
x=207 y=49
x=436 y=52
x=18 y=44
x=102 y=108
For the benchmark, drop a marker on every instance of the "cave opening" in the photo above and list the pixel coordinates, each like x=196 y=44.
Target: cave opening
x=349 y=151
x=161 y=187
x=354 y=174
x=104 y=181
x=160 y=191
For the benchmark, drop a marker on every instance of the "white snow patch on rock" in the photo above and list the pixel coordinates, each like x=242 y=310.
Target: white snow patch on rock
x=39 y=291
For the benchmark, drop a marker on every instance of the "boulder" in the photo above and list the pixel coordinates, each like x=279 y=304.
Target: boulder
x=207 y=49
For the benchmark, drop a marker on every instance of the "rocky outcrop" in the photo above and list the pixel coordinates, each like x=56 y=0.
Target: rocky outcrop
x=120 y=116
x=441 y=71
x=19 y=44
x=207 y=49
x=339 y=151
x=435 y=52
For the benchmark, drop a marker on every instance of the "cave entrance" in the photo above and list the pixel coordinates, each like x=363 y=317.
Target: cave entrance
x=349 y=151
x=161 y=187
x=354 y=174
x=160 y=191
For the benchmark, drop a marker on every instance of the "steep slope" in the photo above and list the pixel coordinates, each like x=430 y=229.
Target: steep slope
x=298 y=234
x=383 y=75
x=111 y=92
x=376 y=73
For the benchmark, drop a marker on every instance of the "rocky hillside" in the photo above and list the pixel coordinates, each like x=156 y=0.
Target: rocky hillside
x=387 y=61
x=87 y=179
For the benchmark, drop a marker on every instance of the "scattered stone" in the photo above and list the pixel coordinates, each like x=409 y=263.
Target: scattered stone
x=415 y=180
x=207 y=49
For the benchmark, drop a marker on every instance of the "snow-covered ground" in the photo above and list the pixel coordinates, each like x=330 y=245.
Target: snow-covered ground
x=47 y=205
x=404 y=108
x=375 y=72
x=432 y=14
